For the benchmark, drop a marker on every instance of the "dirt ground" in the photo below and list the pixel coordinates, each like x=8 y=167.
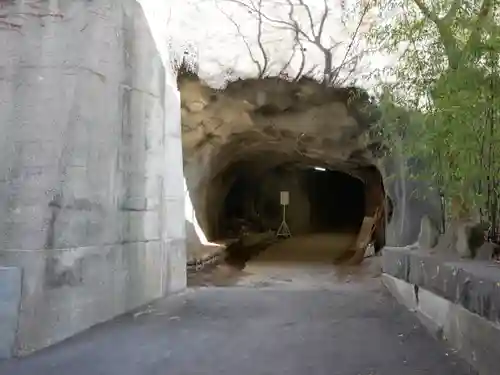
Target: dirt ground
x=306 y=259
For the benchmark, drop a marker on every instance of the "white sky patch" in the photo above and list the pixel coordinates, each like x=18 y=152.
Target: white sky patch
x=213 y=41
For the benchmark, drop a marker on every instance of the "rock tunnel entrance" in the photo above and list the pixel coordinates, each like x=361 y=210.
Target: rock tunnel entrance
x=321 y=200
x=242 y=194
x=251 y=139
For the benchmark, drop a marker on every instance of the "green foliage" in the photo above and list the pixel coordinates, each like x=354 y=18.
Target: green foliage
x=444 y=103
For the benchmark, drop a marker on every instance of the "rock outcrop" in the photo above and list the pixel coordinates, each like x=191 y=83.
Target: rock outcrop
x=429 y=234
x=256 y=125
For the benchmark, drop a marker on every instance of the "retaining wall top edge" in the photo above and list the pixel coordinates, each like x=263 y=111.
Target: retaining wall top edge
x=475 y=285
x=479 y=268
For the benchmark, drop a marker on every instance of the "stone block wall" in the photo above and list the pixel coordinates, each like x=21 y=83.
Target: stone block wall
x=91 y=180
x=458 y=300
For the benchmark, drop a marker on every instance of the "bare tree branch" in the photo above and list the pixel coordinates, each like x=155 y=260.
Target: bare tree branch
x=323 y=19
x=245 y=41
x=310 y=72
x=259 y=41
x=287 y=65
x=261 y=67
x=351 y=43
x=302 y=61
x=309 y=15
x=280 y=23
x=301 y=35
x=317 y=36
x=353 y=63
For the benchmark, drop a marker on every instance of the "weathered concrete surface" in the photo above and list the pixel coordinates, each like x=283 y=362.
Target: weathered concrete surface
x=10 y=298
x=91 y=180
x=429 y=234
x=345 y=329
x=473 y=337
x=458 y=301
x=474 y=285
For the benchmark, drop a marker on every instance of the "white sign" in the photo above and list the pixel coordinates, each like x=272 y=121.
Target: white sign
x=284 y=198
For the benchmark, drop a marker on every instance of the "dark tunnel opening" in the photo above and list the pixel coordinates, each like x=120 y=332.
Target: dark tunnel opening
x=337 y=201
x=321 y=201
x=238 y=214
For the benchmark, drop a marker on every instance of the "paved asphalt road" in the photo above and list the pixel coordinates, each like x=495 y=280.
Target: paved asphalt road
x=249 y=331
x=274 y=318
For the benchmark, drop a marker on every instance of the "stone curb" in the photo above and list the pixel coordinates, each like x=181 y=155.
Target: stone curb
x=197 y=265
x=474 y=285
x=424 y=291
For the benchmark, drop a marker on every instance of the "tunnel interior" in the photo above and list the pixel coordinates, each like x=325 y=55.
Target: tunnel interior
x=246 y=198
x=337 y=201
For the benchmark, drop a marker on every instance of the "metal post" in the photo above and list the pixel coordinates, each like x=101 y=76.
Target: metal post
x=443 y=212
x=284 y=230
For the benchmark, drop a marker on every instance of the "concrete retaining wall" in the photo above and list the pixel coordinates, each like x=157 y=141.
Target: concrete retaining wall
x=10 y=298
x=459 y=301
x=91 y=179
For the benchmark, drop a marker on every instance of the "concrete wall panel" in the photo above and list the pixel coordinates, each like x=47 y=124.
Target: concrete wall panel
x=87 y=98
x=10 y=298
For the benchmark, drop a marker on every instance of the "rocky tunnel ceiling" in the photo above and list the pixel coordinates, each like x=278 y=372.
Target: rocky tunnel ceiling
x=254 y=129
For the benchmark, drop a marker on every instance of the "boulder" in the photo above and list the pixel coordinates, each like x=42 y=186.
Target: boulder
x=469 y=237
x=429 y=234
x=486 y=251
x=462 y=238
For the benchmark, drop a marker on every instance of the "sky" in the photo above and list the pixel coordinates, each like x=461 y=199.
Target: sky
x=213 y=41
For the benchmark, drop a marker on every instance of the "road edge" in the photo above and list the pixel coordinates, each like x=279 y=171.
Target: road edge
x=472 y=337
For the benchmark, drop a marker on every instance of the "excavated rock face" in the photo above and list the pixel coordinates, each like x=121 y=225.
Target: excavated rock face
x=252 y=127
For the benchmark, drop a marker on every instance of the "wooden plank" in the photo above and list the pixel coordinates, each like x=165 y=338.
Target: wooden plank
x=363 y=239
x=365 y=232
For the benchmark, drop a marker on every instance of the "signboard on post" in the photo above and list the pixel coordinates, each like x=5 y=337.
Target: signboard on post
x=283 y=230
x=284 y=198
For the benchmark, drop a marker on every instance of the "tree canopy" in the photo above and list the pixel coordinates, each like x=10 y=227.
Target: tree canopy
x=447 y=73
